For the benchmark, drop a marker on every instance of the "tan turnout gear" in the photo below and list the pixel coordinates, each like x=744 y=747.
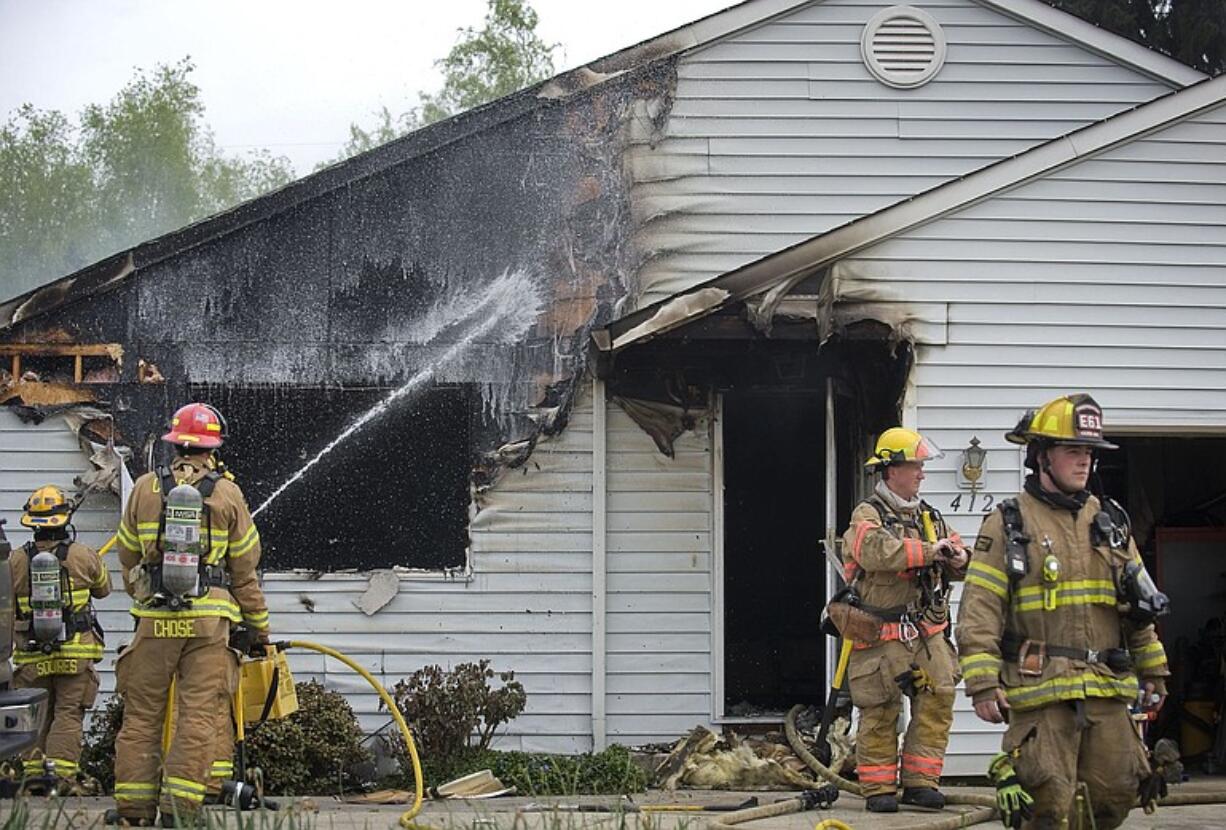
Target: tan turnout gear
x=70 y=696
x=222 y=767
x=893 y=568
x=189 y=642
x=1069 y=717
x=66 y=671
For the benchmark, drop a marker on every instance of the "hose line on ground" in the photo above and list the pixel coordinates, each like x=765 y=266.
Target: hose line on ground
x=406 y=819
x=779 y=808
x=985 y=805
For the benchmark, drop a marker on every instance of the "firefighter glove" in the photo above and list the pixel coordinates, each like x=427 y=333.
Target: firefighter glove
x=1015 y=804
x=913 y=681
x=249 y=641
x=1152 y=788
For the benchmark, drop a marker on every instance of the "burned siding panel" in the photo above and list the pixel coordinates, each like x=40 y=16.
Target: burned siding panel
x=779 y=132
x=1108 y=276
x=480 y=264
x=526 y=612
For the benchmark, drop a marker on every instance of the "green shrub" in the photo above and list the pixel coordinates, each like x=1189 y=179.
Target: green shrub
x=538 y=774
x=610 y=772
x=445 y=709
x=315 y=750
x=98 y=751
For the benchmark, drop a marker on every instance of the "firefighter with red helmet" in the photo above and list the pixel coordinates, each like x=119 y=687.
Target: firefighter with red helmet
x=189 y=550
x=57 y=636
x=899 y=560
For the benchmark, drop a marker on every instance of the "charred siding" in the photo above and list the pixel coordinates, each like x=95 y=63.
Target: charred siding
x=383 y=278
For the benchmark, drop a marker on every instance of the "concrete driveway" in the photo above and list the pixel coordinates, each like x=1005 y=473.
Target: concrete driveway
x=554 y=813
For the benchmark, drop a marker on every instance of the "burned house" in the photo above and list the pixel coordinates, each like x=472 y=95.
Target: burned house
x=582 y=381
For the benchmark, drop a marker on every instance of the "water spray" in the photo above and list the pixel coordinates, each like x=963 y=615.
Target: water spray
x=512 y=299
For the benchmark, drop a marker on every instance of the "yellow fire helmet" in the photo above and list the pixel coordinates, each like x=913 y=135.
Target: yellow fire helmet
x=1070 y=419
x=899 y=444
x=47 y=507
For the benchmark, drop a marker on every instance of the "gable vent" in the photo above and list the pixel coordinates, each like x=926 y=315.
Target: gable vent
x=903 y=47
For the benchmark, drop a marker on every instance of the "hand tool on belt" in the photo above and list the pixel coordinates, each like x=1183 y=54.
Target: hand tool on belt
x=1031 y=655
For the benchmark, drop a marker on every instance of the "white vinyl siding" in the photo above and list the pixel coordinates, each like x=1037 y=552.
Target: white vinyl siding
x=780 y=132
x=1108 y=277
x=527 y=607
x=659 y=607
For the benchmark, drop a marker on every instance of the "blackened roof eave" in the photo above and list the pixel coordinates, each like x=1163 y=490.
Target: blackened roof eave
x=617 y=67
x=95 y=277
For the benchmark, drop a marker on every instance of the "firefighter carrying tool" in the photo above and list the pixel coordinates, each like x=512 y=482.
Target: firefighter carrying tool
x=899 y=559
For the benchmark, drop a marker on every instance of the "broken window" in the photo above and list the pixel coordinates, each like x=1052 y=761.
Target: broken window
x=393 y=493
x=61 y=363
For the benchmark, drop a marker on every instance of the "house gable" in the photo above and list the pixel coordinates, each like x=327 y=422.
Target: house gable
x=1111 y=270
x=779 y=132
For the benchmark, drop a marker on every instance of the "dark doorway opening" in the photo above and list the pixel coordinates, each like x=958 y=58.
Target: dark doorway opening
x=774 y=572
x=1174 y=489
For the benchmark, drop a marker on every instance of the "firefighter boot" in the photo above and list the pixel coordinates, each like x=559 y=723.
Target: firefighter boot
x=925 y=797
x=881 y=803
x=112 y=818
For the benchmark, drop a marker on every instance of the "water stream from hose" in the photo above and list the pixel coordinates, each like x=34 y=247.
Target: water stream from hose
x=504 y=311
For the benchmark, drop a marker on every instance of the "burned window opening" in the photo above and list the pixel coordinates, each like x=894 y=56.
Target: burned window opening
x=393 y=494
x=61 y=363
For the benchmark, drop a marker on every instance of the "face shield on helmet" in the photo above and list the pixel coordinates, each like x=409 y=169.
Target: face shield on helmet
x=899 y=445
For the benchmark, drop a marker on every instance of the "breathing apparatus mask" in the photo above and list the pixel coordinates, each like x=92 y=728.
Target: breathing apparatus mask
x=1138 y=591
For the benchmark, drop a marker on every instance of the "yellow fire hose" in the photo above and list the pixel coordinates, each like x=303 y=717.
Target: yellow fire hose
x=406 y=819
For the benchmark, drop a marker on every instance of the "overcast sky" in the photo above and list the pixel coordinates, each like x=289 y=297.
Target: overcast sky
x=286 y=75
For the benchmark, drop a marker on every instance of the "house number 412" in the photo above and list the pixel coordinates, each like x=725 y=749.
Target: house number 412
x=968 y=502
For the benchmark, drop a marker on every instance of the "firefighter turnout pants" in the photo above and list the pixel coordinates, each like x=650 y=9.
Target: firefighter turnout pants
x=222 y=768
x=1054 y=747
x=202 y=663
x=70 y=697
x=875 y=693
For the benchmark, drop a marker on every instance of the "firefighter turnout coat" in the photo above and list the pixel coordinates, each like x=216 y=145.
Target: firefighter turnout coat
x=1053 y=641
x=895 y=571
x=188 y=644
x=67 y=671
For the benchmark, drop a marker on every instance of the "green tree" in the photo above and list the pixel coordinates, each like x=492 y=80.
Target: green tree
x=141 y=165
x=44 y=193
x=503 y=56
x=1190 y=31
x=485 y=65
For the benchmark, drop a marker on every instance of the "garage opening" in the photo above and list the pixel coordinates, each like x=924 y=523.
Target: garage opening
x=1174 y=489
x=774 y=573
